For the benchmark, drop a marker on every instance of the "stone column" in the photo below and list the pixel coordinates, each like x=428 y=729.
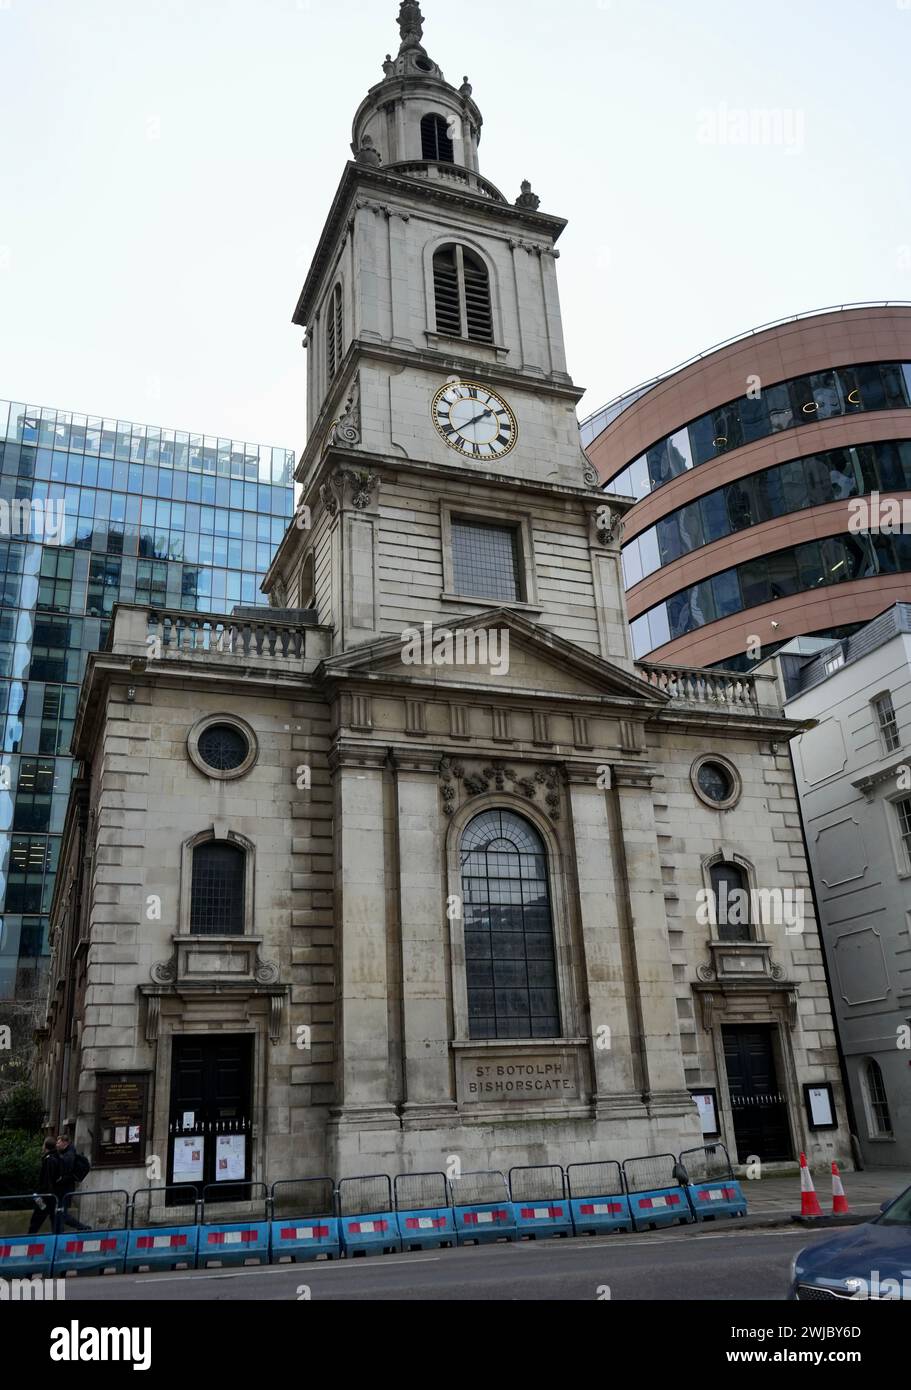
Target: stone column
x=429 y=1095
x=652 y=974
x=363 y=1035
x=618 y=1084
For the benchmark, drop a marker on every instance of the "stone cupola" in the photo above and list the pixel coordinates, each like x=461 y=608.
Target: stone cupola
x=414 y=116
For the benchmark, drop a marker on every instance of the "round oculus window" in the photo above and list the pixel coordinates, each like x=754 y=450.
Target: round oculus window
x=715 y=782
x=223 y=747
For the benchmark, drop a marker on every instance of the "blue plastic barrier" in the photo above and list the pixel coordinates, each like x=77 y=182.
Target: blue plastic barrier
x=597 y=1199
x=26 y=1255
x=482 y=1208
x=712 y=1189
x=367 y=1220
x=22 y=1254
x=229 y=1237
x=539 y=1201
x=164 y=1233
x=656 y=1197
x=165 y=1247
x=101 y=1248
x=304 y=1224
x=423 y=1211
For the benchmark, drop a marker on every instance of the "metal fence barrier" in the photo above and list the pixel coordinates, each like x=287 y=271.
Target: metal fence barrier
x=423 y=1209
x=304 y=1220
x=712 y=1189
x=234 y=1224
x=92 y=1232
x=656 y=1197
x=597 y=1198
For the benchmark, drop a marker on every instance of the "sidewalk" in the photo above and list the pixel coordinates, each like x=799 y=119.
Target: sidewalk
x=773 y=1200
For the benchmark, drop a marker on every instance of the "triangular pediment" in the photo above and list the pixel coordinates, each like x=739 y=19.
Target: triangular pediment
x=498 y=649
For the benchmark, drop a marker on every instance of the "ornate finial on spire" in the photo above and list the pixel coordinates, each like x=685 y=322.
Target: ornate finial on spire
x=411 y=24
x=466 y=88
x=389 y=66
x=527 y=199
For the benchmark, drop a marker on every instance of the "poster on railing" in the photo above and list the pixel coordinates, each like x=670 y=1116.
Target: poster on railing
x=230 y=1157
x=189 y=1153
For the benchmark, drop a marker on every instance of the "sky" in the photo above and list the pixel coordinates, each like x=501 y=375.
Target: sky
x=166 y=167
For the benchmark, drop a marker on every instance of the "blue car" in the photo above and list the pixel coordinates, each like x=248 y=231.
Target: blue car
x=872 y=1261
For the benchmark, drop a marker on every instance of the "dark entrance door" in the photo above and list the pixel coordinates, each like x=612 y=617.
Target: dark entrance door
x=760 y=1110
x=210 y=1109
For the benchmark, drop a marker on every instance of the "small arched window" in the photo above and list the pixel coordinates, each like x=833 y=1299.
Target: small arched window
x=217 y=892
x=879 y=1101
x=334 y=332
x=509 y=937
x=436 y=142
x=731 y=891
x=461 y=287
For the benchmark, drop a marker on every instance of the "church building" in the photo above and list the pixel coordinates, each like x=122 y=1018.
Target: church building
x=418 y=864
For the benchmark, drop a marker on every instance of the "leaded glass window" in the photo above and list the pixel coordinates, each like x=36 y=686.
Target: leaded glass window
x=509 y=939
x=217 y=895
x=485 y=560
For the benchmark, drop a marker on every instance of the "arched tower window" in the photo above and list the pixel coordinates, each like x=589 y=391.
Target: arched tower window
x=879 y=1101
x=435 y=139
x=217 y=892
x=334 y=333
x=461 y=287
x=731 y=890
x=510 y=961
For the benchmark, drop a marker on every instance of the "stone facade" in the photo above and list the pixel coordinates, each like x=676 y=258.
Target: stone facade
x=384 y=711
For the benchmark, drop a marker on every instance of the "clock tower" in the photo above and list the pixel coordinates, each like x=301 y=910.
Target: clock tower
x=436 y=364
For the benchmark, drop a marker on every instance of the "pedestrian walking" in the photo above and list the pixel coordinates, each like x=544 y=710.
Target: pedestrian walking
x=45 y=1201
x=72 y=1168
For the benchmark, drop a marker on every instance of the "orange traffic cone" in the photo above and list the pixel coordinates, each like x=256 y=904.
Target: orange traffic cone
x=839 y=1200
x=809 y=1202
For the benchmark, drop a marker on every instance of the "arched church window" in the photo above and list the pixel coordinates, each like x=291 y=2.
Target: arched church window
x=217 y=892
x=436 y=142
x=461 y=288
x=731 y=891
x=510 y=962
x=334 y=333
x=879 y=1101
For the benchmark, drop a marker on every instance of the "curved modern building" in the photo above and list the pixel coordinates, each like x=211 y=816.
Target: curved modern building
x=744 y=463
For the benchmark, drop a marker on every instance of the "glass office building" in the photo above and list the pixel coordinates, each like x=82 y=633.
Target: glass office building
x=93 y=512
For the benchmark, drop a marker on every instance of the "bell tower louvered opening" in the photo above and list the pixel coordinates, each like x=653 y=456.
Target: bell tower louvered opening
x=462 y=295
x=334 y=326
x=435 y=139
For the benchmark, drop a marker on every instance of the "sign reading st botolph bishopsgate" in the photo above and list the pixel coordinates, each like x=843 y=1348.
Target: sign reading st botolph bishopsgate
x=528 y=1078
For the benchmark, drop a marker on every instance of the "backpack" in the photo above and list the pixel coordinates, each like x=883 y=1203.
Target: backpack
x=81 y=1167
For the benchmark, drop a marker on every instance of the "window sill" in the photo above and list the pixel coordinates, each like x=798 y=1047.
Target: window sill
x=528 y=1044
x=464 y=599
x=494 y=352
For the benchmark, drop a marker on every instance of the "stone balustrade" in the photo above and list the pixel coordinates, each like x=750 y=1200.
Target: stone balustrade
x=161 y=634
x=692 y=685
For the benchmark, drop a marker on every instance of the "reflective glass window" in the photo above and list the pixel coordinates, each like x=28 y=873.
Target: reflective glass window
x=715 y=521
x=726 y=593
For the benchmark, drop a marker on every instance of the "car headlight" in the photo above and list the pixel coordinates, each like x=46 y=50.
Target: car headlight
x=794 y=1265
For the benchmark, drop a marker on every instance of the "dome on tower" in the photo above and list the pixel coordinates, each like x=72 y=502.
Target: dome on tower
x=414 y=115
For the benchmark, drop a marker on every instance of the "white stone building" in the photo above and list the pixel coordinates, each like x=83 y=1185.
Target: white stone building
x=414 y=865
x=853 y=772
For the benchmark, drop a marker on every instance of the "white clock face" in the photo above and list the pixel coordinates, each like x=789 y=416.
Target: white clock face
x=474 y=420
